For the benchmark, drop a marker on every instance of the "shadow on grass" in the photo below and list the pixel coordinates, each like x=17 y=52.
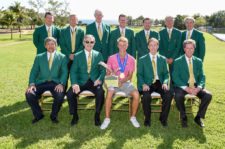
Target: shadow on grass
x=16 y=119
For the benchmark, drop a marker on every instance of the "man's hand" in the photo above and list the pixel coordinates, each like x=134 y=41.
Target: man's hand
x=31 y=89
x=169 y=60
x=76 y=88
x=71 y=56
x=97 y=82
x=145 y=87
x=59 y=88
x=164 y=87
x=188 y=90
x=196 y=90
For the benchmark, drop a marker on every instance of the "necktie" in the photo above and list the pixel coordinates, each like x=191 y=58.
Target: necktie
x=169 y=32
x=122 y=33
x=99 y=32
x=147 y=36
x=89 y=62
x=154 y=68
x=49 y=32
x=73 y=43
x=50 y=61
x=191 y=75
x=189 y=35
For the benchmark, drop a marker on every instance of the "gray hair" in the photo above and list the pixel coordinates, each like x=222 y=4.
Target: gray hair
x=153 y=39
x=189 y=18
x=48 y=39
x=189 y=41
x=88 y=36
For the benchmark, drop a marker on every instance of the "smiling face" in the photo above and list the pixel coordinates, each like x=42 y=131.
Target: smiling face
x=153 y=46
x=98 y=16
x=169 y=22
x=189 y=24
x=122 y=21
x=49 y=19
x=89 y=43
x=147 y=24
x=73 y=20
x=189 y=49
x=122 y=45
x=50 y=46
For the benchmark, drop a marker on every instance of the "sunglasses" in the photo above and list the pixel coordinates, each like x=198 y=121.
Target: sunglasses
x=89 y=42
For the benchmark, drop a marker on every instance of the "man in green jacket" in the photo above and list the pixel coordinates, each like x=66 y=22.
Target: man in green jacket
x=101 y=32
x=122 y=30
x=49 y=73
x=86 y=74
x=142 y=37
x=197 y=36
x=71 y=40
x=170 y=41
x=189 y=78
x=153 y=76
x=46 y=30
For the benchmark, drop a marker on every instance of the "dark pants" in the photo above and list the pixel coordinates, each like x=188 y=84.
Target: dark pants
x=32 y=99
x=89 y=85
x=166 y=101
x=203 y=95
x=68 y=66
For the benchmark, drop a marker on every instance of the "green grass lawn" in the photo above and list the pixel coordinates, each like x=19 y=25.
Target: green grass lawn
x=16 y=130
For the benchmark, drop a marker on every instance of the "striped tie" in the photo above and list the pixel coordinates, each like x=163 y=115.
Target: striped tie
x=73 y=43
x=49 y=32
x=147 y=36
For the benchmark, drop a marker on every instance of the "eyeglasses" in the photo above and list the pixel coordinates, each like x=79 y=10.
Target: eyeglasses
x=89 y=42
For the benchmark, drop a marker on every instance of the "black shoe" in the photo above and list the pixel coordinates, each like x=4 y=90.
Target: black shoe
x=35 y=120
x=184 y=123
x=97 y=120
x=54 y=120
x=164 y=123
x=74 y=120
x=147 y=123
x=199 y=122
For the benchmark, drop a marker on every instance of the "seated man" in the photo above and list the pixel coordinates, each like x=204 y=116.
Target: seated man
x=153 y=76
x=86 y=74
x=49 y=73
x=123 y=65
x=189 y=78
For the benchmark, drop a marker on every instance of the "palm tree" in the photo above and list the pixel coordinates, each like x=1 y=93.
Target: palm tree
x=9 y=19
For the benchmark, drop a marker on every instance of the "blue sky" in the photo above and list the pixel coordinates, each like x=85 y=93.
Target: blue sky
x=148 y=8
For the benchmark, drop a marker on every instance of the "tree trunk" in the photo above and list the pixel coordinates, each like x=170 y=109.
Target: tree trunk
x=11 y=33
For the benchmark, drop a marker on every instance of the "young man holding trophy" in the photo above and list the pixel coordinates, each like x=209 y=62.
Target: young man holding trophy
x=122 y=65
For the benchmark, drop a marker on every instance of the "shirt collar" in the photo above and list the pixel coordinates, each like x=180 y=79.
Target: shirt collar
x=48 y=26
x=86 y=52
x=152 y=55
x=187 y=59
x=73 y=28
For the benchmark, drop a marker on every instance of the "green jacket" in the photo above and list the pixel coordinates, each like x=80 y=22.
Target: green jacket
x=141 y=42
x=129 y=34
x=145 y=73
x=65 y=41
x=170 y=48
x=180 y=73
x=40 y=72
x=100 y=45
x=39 y=35
x=78 y=72
x=200 y=43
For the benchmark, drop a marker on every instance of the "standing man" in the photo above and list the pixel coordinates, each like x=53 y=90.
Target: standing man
x=191 y=80
x=152 y=76
x=170 y=42
x=143 y=36
x=86 y=74
x=71 y=40
x=46 y=30
x=101 y=32
x=123 y=31
x=49 y=73
x=122 y=65
x=197 y=36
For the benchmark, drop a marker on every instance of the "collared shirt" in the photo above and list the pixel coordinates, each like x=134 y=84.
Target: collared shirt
x=151 y=57
x=53 y=54
x=169 y=29
x=47 y=27
x=124 y=30
x=147 y=31
x=190 y=33
x=114 y=65
x=72 y=29
x=96 y=24
x=87 y=53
